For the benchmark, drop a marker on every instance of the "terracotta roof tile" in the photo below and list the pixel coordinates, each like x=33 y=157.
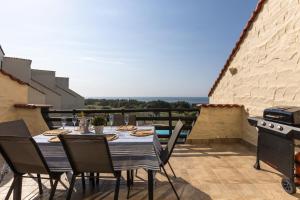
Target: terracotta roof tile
x=18 y=80
x=32 y=106
x=220 y=105
x=13 y=78
x=238 y=44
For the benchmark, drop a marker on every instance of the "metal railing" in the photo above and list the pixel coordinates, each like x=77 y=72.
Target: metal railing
x=165 y=115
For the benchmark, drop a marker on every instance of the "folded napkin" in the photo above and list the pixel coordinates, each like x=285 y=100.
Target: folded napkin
x=126 y=128
x=54 y=139
x=111 y=137
x=56 y=132
x=142 y=133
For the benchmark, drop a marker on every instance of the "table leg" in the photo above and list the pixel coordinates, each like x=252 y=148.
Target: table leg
x=18 y=187
x=150 y=184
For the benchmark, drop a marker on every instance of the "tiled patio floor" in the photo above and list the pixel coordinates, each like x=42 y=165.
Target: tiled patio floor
x=215 y=171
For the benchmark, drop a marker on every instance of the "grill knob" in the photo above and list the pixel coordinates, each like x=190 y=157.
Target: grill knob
x=271 y=125
x=263 y=123
x=280 y=128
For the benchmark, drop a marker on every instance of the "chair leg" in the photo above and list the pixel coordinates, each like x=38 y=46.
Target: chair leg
x=172 y=170
x=10 y=189
x=53 y=189
x=128 y=183
x=118 y=175
x=71 y=187
x=132 y=177
x=83 y=181
x=170 y=182
x=92 y=179
x=97 y=178
x=39 y=180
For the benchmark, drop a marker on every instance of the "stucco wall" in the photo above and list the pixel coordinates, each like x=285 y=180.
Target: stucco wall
x=68 y=100
x=14 y=93
x=11 y=93
x=45 y=77
x=33 y=120
x=36 y=97
x=217 y=123
x=19 y=68
x=52 y=98
x=267 y=63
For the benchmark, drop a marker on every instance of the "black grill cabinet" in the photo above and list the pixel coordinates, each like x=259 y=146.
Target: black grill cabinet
x=276 y=144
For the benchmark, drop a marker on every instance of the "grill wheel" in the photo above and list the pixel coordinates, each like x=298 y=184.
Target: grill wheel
x=288 y=185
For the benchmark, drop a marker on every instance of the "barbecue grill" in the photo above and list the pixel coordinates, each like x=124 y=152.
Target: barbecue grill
x=277 y=131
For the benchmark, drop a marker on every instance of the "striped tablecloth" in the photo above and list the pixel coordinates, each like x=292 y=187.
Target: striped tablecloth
x=128 y=152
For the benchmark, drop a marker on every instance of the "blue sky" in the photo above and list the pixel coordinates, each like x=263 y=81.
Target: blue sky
x=126 y=47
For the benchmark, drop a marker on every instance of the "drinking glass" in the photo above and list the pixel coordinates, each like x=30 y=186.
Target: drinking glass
x=111 y=120
x=63 y=122
x=126 y=119
x=74 y=120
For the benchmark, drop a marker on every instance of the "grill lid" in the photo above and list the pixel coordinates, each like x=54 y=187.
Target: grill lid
x=283 y=114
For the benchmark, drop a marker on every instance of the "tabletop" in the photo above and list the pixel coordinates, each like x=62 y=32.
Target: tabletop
x=128 y=152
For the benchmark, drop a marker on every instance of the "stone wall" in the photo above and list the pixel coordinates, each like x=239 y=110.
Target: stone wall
x=267 y=63
x=217 y=122
x=12 y=92
x=265 y=71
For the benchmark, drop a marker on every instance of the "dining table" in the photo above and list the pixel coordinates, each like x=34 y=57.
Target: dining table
x=128 y=152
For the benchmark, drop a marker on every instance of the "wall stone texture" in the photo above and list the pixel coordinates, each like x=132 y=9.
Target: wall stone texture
x=267 y=63
x=217 y=123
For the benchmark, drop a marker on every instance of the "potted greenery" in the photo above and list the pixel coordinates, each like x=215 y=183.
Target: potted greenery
x=98 y=122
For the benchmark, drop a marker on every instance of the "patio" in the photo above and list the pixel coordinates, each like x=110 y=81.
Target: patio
x=205 y=171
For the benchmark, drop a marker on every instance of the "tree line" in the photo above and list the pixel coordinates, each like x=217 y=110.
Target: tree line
x=133 y=104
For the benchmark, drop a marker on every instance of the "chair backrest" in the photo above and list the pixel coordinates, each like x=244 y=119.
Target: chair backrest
x=23 y=155
x=132 y=120
x=167 y=152
x=87 y=153
x=118 y=120
x=14 y=128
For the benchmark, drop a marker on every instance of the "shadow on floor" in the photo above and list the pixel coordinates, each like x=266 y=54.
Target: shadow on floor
x=105 y=190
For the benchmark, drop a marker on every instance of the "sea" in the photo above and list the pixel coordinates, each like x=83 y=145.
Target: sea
x=191 y=100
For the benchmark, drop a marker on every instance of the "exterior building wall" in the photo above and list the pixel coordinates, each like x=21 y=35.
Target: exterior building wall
x=17 y=67
x=77 y=100
x=68 y=100
x=267 y=64
x=1 y=57
x=217 y=123
x=36 y=97
x=52 y=97
x=44 y=77
x=62 y=82
x=11 y=93
x=33 y=119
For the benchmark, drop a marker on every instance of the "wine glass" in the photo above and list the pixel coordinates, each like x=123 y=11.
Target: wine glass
x=74 y=120
x=126 y=119
x=63 y=122
x=111 y=120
